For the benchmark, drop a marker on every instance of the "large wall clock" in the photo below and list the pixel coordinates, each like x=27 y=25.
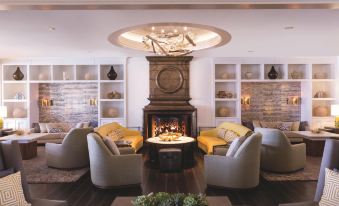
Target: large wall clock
x=169 y=79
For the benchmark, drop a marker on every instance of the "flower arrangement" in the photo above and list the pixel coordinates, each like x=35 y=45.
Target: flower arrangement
x=166 y=199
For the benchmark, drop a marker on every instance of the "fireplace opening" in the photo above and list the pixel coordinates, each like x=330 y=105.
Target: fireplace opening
x=166 y=123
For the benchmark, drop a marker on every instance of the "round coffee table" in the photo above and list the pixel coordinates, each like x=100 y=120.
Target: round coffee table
x=186 y=144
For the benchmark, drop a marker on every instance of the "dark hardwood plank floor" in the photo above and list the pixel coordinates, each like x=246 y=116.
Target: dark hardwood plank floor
x=83 y=193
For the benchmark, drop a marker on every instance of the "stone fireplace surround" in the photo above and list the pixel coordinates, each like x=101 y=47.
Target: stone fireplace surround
x=169 y=94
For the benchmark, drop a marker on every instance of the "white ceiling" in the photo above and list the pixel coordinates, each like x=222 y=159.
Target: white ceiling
x=84 y=33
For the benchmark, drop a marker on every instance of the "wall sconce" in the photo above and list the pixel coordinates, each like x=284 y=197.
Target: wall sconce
x=293 y=100
x=46 y=102
x=93 y=102
x=246 y=100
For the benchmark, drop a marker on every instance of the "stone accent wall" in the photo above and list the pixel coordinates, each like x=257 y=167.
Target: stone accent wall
x=70 y=102
x=269 y=101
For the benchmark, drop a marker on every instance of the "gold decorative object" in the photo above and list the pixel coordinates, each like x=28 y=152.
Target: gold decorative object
x=296 y=75
x=293 y=100
x=20 y=132
x=224 y=94
x=46 y=102
x=111 y=112
x=320 y=94
x=114 y=95
x=93 y=102
x=223 y=112
x=169 y=136
x=321 y=111
x=246 y=100
x=320 y=75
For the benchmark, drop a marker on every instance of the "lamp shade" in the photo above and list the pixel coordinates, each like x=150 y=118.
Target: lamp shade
x=3 y=111
x=335 y=110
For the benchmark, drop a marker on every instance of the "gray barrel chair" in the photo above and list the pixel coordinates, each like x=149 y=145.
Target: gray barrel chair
x=239 y=172
x=111 y=171
x=11 y=157
x=72 y=152
x=278 y=154
x=330 y=160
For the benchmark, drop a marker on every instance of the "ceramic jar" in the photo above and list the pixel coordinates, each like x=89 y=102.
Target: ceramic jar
x=321 y=111
x=18 y=75
x=112 y=112
x=223 y=112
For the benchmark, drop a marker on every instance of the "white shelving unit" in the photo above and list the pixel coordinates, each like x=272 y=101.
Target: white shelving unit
x=314 y=75
x=62 y=73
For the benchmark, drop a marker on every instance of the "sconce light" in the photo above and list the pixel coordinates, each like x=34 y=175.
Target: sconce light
x=293 y=100
x=246 y=100
x=46 y=102
x=93 y=101
x=335 y=112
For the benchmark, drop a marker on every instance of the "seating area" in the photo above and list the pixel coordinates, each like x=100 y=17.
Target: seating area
x=169 y=103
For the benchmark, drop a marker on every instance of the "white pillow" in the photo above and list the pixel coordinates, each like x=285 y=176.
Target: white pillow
x=111 y=146
x=43 y=128
x=79 y=125
x=330 y=195
x=235 y=146
x=11 y=192
x=85 y=124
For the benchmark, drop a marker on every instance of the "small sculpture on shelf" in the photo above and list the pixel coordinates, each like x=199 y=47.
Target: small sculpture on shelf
x=320 y=75
x=296 y=75
x=114 y=95
x=320 y=94
x=19 y=95
x=87 y=76
x=18 y=75
x=224 y=94
x=248 y=75
x=112 y=75
x=111 y=112
x=272 y=74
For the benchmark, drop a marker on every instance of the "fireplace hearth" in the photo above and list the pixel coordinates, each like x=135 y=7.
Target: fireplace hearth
x=169 y=109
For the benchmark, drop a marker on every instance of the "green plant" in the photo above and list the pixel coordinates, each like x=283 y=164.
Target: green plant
x=166 y=199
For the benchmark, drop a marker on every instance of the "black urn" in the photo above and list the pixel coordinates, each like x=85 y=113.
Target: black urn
x=112 y=75
x=272 y=74
x=18 y=75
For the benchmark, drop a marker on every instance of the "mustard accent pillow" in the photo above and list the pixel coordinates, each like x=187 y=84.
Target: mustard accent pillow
x=103 y=130
x=221 y=133
x=116 y=134
x=11 y=192
x=230 y=136
x=330 y=195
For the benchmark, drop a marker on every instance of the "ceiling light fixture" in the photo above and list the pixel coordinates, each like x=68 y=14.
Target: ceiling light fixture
x=170 y=39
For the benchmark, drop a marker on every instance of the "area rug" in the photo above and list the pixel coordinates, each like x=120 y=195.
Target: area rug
x=37 y=171
x=309 y=173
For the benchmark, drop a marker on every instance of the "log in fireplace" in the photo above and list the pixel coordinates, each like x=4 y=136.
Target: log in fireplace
x=169 y=109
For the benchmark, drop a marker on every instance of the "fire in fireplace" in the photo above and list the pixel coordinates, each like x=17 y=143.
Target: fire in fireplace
x=162 y=124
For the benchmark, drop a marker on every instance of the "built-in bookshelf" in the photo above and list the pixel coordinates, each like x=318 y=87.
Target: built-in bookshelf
x=16 y=94
x=317 y=79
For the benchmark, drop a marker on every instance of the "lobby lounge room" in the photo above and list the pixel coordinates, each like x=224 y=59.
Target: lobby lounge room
x=169 y=103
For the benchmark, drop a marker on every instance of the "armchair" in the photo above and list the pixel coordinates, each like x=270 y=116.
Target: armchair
x=71 y=153
x=10 y=154
x=132 y=136
x=240 y=171
x=278 y=154
x=108 y=170
x=330 y=160
x=209 y=138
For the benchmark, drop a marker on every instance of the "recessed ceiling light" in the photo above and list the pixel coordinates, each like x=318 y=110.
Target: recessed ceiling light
x=153 y=28
x=289 y=27
x=185 y=28
x=51 y=28
x=162 y=31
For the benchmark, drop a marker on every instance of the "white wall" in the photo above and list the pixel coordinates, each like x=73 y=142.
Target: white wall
x=201 y=85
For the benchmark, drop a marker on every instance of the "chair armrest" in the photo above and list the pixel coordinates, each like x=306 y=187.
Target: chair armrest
x=54 y=149
x=211 y=132
x=37 y=201
x=129 y=132
x=134 y=164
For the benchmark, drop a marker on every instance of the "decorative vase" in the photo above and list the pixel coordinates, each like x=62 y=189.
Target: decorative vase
x=116 y=95
x=321 y=111
x=18 y=75
x=19 y=113
x=248 y=75
x=87 y=76
x=272 y=74
x=41 y=76
x=112 y=75
x=112 y=112
x=223 y=112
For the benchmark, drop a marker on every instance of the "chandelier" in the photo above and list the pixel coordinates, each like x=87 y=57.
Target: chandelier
x=174 y=42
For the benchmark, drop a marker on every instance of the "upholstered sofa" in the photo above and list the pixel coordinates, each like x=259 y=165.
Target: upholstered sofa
x=209 y=138
x=132 y=136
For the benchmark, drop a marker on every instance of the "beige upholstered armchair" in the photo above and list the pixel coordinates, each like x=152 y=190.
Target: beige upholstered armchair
x=278 y=154
x=108 y=170
x=240 y=171
x=72 y=152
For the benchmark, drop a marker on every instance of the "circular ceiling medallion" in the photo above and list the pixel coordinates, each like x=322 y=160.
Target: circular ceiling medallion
x=169 y=80
x=170 y=39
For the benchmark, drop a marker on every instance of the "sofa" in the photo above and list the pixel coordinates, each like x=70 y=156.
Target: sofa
x=240 y=171
x=208 y=139
x=132 y=136
x=286 y=126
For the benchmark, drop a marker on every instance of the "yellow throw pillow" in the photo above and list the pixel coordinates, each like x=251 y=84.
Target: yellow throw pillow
x=230 y=136
x=330 y=195
x=116 y=134
x=11 y=192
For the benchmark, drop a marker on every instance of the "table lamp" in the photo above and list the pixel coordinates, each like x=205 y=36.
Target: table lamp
x=3 y=113
x=335 y=112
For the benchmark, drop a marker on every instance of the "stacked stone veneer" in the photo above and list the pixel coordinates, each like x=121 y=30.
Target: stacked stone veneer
x=269 y=101
x=70 y=102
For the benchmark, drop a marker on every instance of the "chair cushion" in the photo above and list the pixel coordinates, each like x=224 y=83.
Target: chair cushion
x=235 y=146
x=330 y=196
x=4 y=173
x=136 y=141
x=43 y=127
x=111 y=145
x=11 y=192
x=210 y=142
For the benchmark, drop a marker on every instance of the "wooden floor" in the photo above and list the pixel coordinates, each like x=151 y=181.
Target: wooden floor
x=82 y=192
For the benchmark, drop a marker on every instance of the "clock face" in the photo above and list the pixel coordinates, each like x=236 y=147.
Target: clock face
x=169 y=79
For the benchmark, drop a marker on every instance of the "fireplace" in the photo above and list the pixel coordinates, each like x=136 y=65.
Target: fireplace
x=169 y=109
